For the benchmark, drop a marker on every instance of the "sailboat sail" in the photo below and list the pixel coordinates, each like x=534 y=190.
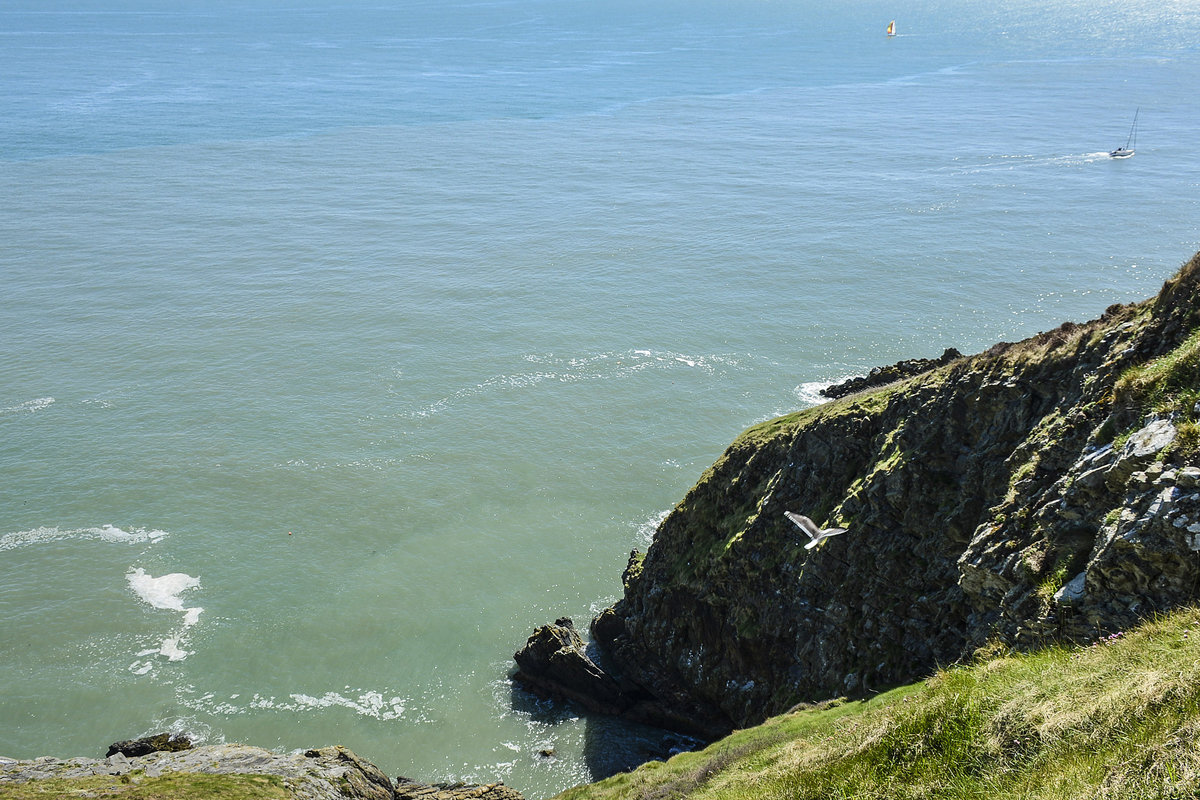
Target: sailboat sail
x=1130 y=142
x=891 y=31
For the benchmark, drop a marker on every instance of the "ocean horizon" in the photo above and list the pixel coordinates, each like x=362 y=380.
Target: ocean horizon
x=343 y=344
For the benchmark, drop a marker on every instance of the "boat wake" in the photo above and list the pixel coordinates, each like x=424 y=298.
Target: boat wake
x=36 y=404
x=1011 y=162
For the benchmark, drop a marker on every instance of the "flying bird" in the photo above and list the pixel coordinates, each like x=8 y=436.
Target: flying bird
x=816 y=534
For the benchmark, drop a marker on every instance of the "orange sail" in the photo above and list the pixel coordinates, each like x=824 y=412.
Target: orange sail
x=892 y=28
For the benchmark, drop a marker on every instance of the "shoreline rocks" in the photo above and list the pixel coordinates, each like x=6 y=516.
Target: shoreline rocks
x=162 y=742
x=881 y=376
x=326 y=773
x=413 y=790
x=555 y=662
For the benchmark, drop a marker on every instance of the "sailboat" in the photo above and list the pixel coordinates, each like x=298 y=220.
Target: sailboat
x=1130 y=143
x=891 y=31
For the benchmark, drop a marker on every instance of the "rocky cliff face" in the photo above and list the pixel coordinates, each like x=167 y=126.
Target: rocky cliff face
x=1044 y=490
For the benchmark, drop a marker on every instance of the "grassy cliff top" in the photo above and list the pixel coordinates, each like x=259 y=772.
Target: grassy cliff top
x=1116 y=719
x=174 y=786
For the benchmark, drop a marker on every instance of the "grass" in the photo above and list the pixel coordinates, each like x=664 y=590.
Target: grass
x=134 y=786
x=1168 y=385
x=1117 y=719
x=1050 y=585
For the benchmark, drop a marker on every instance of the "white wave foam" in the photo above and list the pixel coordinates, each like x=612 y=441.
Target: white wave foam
x=171 y=649
x=105 y=533
x=375 y=464
x=36 y=404
x=810 y=392
x=369 y=703
x=162 y=592
x=165 y=592
x=601 y=366
x=647 y=528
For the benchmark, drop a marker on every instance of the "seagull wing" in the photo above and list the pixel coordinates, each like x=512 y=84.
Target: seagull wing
x=805 y=524
x=823 y=535
x=815 y=533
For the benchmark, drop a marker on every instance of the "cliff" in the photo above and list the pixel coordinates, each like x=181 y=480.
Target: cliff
x=1041 y=491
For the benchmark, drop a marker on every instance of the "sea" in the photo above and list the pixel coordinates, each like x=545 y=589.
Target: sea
x=342 y=344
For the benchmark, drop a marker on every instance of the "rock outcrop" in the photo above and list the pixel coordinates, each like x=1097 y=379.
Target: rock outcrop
x=882 y=376
x=555 y=661
x=326 y=773
x=1040 y=491
x=162 y=742
x=412 y=790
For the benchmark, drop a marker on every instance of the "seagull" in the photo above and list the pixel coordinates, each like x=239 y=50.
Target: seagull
x=815 y=534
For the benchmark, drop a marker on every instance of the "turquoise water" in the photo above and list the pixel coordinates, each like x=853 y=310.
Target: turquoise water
x=343 y=344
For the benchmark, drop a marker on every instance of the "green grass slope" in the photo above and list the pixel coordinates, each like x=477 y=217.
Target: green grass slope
x=1116 y=719
x=176 y=786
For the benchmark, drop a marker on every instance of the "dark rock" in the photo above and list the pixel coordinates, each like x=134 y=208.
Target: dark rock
x=162 y=742
x=554 y=662
x=881 y=376
x=607 y=626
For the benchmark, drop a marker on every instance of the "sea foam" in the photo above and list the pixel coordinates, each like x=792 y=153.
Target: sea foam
x=166 y=592
x=162 y=592
x=810 y=393
x=367 y=703
x=104 y=533
x=606 y=366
